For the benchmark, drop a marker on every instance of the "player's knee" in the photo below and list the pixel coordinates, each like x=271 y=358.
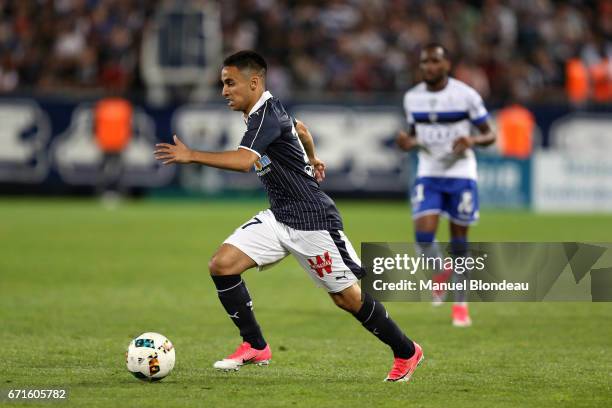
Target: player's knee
x=220 y=265
x=341 y=303
x=346 y=302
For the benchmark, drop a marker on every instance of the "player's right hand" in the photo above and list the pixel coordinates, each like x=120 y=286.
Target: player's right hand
x=173 y=153
x=319 y=168
x=461 y=144
x=405 y=141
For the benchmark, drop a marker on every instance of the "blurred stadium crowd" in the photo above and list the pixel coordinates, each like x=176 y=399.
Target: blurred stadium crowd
x=506 y=49
x=71 y=44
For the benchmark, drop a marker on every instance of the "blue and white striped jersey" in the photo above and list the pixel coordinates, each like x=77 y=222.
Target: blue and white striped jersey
x=439 y=118
x=296 y=199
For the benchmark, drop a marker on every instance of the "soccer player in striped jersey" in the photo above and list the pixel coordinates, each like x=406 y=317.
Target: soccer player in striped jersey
x=302 y=220
x=441 y=112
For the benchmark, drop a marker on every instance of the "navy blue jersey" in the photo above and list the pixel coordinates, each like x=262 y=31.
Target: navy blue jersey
x=295 y=197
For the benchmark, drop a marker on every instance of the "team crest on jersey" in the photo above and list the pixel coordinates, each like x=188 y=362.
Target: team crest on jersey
x=433 y=116
x=261 y=165
x=309 y=169
x=321 y=263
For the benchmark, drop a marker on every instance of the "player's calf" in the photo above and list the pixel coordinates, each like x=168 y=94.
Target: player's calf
x=374 y=317
x=236 y=300
x=426 y=246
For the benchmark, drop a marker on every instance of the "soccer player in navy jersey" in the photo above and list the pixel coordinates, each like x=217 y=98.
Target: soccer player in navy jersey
x=302 y=220
x=441 y=112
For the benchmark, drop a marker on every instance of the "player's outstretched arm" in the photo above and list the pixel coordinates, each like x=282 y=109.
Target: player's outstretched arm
x=308 y=143
x=237 y=160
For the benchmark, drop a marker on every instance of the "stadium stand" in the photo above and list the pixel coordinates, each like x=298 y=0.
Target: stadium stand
x=322 y=47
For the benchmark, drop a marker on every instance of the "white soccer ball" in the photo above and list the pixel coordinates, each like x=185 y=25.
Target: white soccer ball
x=150 y=357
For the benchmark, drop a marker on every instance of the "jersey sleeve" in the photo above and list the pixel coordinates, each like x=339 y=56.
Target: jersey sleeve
x=409 y=117
x=476 y=108
x=262 y=129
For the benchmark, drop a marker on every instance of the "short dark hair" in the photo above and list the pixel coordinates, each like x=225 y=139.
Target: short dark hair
x=434 y=45
x=247 y=59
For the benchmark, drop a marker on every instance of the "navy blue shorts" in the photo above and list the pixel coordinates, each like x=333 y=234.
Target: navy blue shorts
x=455 y=198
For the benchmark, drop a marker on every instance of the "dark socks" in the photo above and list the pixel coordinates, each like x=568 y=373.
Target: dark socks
x=426 y=245
x=236 y=300
x=459 y=249
x=375 y=318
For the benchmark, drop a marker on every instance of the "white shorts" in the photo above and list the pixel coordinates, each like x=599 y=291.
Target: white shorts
x=327 y=256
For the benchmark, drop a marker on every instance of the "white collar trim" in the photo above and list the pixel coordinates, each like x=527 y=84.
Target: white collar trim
x=264 y=97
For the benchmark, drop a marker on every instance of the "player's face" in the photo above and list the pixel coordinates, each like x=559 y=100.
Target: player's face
x=237 y=88
x=434 y=66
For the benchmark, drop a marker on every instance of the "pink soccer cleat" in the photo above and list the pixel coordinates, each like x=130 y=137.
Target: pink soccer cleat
x=245 y=354
x=404 y=367
x=461 y=316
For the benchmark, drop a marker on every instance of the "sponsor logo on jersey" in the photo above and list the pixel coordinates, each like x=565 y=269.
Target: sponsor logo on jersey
x=262 y=164
x=321 y=263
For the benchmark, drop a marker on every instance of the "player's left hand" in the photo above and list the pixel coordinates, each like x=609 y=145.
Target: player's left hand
x=462 y=144
x=173 y=153
x=319 y=168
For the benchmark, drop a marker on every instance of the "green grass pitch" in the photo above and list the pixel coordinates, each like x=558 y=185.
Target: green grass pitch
x=77 y=282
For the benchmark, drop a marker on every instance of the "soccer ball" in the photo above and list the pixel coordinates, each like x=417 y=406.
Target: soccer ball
x=150 y=357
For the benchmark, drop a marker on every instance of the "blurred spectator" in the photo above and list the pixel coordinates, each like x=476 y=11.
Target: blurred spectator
x=9 y=78
x=113 y=130
x=597 y=56
x=577 y=81
x=516 y=126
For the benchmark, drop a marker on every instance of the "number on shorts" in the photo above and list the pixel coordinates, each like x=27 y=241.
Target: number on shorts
x=466 y=206
x=419 y=194
x=256 y=221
